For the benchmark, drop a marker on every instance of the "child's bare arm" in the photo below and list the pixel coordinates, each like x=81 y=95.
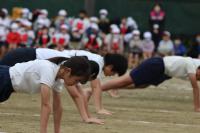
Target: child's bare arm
x=78 y=98
x=45 y=108
x=57 y=111
x=195 y=87
x=96 y=92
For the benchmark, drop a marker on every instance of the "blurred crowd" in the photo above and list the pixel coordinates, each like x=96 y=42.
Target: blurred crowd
x=97 y=34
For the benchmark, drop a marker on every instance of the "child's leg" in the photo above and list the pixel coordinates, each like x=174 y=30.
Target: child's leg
x=130 y=60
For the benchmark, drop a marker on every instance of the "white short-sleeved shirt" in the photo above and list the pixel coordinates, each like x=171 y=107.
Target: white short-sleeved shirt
x=45 y=53
x=180 y=67
x=27 y=77
x=91 y=56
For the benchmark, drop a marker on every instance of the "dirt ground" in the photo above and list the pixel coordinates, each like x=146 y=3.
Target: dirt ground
x=167 y=108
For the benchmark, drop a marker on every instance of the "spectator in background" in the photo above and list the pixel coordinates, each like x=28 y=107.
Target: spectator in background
x=4 y=29
x=104 y=23
x=156 y=36
x=62 y=38
x=179 y=48
x=4 y=25
x=43 y=37
x=135 y=49
x=91 y=39
x=147 y=45
x=85 y=19
x=194 y=50
x=114 y=41
x=157 y=16
x=42 y=19
x=26 y=33
x=166 y=46
x=77 y=31
x=131 y=25
x=123 y=26
x=61 y=19
x=13 y=37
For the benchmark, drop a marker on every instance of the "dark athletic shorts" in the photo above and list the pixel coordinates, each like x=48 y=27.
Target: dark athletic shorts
x=150 y=72
x=5 y=83
x=18 y=55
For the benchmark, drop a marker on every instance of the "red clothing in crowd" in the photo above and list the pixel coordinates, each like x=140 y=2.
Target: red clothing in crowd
x=13 y=38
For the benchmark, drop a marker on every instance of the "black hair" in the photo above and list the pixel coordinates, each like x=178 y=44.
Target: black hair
x=198 y=67
x=83 y=11
x=94 y=70
x=118 y=62
x=79 y=66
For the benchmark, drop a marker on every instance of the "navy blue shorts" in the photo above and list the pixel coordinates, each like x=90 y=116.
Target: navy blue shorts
x=18 y=55
x=150 y=72
x=5 y=83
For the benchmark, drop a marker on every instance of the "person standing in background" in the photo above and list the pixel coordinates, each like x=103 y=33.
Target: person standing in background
x=157 y=16
x=166 y=46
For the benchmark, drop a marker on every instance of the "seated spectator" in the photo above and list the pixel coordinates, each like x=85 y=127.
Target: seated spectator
x=147 y=45
x=91 y=40
x=61 y=19
x=62 y=38
x=179 y=48
x=13 y=37
x=166 y=46
x=104 y=22
x=43 y=37
x=131 y=25
x=123 y=26
x=135 y=49
x=114 y=41
x=26 y=33
x=42 y=19
x=77 y=30
x=194 y=50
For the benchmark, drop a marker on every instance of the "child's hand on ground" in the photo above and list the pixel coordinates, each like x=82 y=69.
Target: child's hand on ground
x=93 y=120
x=104 y=112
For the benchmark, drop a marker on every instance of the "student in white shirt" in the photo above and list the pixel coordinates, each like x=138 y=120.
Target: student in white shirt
x=41 y=76
x=109 y=65
x=154 y=71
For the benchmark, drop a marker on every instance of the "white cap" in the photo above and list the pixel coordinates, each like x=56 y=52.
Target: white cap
x=94 y=19
x=115 y=30
x=14 y=26
x=156 y=26
x=5 y=11
x=41 y=21
x=26 y=23
x=136 y=32
x=62 y=12
x=94 y=26
x=25 y=10
x=112 y=26
x=130 y=21
x=64 y=26
x=166 y=33
x=147 y=35
x=44 y=12
x=103 y=11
